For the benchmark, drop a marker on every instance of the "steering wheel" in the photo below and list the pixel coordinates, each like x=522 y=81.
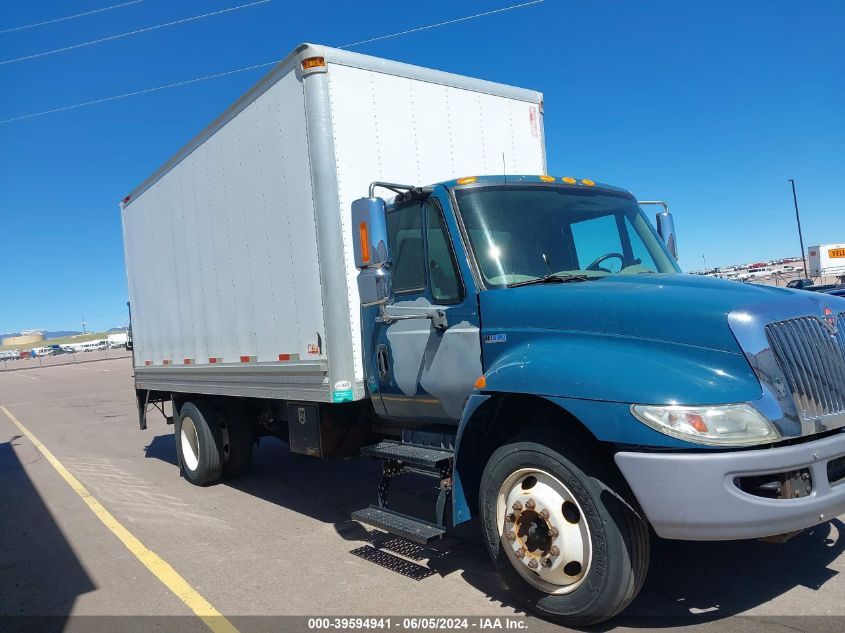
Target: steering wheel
x=595 y=264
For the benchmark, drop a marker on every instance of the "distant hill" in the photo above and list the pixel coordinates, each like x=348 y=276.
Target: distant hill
x=49 y=333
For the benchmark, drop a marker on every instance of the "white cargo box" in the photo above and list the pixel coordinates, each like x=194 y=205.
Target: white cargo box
x=827 y=260
x=239 y=249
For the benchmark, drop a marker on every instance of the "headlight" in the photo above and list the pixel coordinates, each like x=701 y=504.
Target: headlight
x=727 y=425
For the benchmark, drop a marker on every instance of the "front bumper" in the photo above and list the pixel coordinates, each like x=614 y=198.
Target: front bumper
x=692 y=496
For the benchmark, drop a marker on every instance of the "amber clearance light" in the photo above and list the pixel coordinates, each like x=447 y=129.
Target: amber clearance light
x=313 y=62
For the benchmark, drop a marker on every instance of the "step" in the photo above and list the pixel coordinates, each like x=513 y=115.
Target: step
x=408 y=453
x=407 y=527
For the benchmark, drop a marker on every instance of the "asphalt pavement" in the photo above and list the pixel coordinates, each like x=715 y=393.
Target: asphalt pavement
x=279 y=542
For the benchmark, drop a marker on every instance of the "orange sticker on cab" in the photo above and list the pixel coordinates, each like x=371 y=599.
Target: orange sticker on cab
x=836 y=252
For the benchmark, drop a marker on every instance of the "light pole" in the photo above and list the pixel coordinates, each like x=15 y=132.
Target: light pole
x=798 y=219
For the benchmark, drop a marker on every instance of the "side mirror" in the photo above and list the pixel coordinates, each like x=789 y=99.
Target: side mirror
x=369 y=233
x=375 y=287
x=666 y=230
x=665 y=226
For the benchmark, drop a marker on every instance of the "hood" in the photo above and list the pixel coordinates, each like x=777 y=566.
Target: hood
x=677 y=308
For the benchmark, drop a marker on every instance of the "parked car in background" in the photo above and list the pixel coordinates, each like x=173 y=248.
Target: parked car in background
x=800 y=284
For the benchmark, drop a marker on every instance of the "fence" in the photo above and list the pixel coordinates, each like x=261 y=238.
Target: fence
x=68 y=358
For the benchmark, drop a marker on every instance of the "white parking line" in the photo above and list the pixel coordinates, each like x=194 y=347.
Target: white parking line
x=21 y=375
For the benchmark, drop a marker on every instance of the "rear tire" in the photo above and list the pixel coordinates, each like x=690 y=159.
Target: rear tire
x=199 y=443
x=238 y=441
x=580 y=554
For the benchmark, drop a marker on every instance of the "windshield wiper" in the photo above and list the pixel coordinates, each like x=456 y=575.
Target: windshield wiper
x=551 y=279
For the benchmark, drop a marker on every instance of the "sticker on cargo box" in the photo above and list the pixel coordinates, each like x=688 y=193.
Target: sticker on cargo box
x=344 y=395
x=313 y=348
x=836 y=252
x=495 y=338
x=342 y=385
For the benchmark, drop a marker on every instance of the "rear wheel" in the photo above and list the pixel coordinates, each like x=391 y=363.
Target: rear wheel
x=561 y=532
x=199 y=443
x=238 y=441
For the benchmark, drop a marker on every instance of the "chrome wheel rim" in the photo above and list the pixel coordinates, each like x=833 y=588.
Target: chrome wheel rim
x=190 y=444
x=544 y=531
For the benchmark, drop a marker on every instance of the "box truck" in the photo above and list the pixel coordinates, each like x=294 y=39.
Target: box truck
x=364 y=257
x=827 y=260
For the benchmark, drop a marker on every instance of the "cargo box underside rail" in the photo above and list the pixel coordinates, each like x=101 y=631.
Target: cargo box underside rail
x=301 y=382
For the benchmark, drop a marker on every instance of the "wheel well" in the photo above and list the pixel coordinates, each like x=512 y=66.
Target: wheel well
x=505 y=416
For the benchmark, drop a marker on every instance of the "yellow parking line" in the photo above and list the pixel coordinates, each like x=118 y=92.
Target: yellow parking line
x=159 y=567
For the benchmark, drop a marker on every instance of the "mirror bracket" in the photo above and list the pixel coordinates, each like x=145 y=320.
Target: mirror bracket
x=438 y=318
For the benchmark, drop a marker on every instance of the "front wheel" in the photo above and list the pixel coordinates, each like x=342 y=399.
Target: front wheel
x=561 y=532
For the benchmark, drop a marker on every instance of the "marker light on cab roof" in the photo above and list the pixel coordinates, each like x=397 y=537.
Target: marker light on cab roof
x=588 y=182
x=569 y=180
x=547 y=178
x=467 y=180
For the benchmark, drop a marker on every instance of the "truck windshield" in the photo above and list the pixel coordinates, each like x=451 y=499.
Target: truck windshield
x=522 y=233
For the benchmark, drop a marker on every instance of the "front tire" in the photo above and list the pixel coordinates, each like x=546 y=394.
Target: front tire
x=199 y=443
x=561 y=532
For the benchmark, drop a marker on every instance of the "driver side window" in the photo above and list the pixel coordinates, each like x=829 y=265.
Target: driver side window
x=595 y=237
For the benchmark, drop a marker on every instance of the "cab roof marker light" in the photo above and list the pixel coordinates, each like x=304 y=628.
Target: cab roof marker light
x=547 y=178
x=588 y=182
x=467 y=180
x=569 y=180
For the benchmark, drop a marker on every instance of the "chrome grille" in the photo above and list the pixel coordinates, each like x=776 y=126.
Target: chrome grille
x=812 y=360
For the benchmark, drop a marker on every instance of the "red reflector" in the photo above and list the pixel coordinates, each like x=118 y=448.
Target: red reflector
x=284 y=356
x=212 y=360
x=148 y=362
x=188 y=361
x=247 y=359
x=126 y=199
x=166 y=361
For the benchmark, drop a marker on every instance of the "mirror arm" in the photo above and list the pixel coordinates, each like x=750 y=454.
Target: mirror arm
x=438 y=317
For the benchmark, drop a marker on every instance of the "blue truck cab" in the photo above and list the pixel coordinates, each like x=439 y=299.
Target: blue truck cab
x=532 y=340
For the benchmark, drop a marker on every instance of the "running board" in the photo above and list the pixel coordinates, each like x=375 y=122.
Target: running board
x=407 y=527
x=409 y=454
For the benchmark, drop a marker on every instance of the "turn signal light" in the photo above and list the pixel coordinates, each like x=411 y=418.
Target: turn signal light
x=480 y=382
x=365 y=242
x=313 y=62
x=467 y=180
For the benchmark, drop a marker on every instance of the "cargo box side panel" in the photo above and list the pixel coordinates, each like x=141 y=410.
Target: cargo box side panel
x=398 y=129
x=221 y=250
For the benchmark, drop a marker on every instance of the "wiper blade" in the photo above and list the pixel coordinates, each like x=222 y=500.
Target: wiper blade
x=550 y=279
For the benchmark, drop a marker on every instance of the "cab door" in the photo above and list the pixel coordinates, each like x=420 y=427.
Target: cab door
x=424 y=373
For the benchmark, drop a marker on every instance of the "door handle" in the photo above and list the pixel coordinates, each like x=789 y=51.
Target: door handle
x=382 y=362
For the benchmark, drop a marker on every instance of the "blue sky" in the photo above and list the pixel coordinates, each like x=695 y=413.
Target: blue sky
x=709 y=105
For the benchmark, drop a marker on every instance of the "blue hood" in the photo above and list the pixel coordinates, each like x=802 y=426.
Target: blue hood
x=675 y=308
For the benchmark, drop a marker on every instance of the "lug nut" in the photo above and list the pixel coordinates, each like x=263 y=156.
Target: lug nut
x=517 y=506
x=511 y=536
x=510 y=518
x=520 y=553
x=553 y=532
x=533 y=563
x=529 y=505
x=554 y=550
x=544 y=514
